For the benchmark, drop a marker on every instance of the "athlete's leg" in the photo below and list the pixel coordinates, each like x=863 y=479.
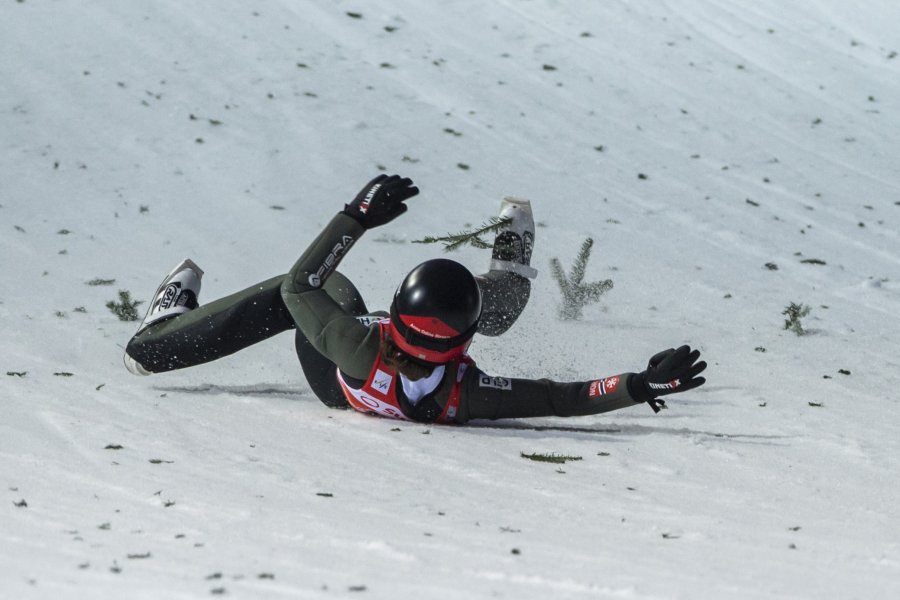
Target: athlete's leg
x=321 y=373
x=213 y=330
x=503 y=298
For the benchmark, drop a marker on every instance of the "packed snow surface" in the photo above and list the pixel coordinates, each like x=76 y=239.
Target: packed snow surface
x=727 y=157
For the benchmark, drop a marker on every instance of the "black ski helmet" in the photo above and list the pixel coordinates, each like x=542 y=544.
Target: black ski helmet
x=435 y=311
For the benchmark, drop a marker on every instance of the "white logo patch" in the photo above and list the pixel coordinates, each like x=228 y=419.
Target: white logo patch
x=498 y=383
x=665 y=386
x=331 y=261
x=382 y=381
x=369 y=320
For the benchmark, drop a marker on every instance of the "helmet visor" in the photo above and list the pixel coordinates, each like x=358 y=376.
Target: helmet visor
x=435 y=343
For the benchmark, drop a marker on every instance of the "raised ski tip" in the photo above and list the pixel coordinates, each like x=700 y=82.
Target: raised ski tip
x=516 y=200
x=172 y=299
x=519 y=210
x=514 y=243
x=188 y=264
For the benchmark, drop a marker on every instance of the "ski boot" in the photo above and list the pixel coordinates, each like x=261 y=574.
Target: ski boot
x=177 y=294
x=513 y=245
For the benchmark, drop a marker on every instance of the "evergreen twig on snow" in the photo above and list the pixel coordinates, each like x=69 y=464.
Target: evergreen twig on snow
x=794 y=312
x=452 y=241
x=125 y=308
x=577 y=294
x=550 y=458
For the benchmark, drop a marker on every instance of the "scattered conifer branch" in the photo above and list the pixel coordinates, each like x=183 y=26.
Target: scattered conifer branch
x=472 y=238
x=576 y=294
x=794 y=312
x=550 y=458
x=126 y=308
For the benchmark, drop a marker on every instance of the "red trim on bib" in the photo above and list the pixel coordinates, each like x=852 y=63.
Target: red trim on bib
x=378 y=395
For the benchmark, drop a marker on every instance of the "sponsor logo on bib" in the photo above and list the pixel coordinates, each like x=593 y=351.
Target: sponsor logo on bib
x=382 y=381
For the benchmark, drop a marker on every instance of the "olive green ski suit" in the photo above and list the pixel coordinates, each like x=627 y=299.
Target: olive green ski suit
x=335 y=331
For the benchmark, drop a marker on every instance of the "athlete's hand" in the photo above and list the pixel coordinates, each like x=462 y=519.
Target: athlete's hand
x=668 y=372
x=381 y=201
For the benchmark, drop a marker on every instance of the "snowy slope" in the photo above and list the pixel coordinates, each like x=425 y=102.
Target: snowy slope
x=695 y=142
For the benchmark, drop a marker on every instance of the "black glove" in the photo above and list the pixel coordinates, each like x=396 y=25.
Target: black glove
x=668 y=372
x=381 y=201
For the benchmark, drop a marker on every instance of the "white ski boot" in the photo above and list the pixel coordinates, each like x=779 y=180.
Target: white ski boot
x=177 y=294
x=513 y=245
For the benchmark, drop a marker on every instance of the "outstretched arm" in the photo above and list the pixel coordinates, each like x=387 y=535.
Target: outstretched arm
x=379 y=202
x=486 y=397
x=334 y=333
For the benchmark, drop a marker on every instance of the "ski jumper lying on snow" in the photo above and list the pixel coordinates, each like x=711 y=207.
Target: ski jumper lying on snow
x=410 y=363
